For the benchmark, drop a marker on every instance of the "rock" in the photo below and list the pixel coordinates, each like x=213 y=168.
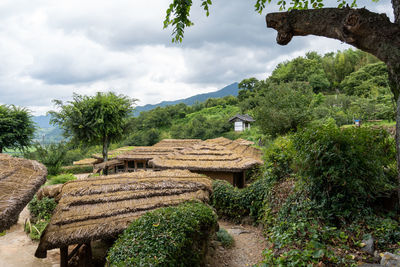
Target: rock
x=237 y=231
x=369 y=246
x=390 y=260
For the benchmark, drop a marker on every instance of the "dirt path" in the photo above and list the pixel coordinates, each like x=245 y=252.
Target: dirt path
x=248 y=248
x=17 y=249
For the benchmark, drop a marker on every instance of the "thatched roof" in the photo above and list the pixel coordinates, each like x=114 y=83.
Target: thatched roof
x=177 y=143
x=145 y=153
x=240 y=146
x=113 y=153
x=205 y=156
x=109 y=163
x=88 y=161
x=101 y=208
x=19 y=181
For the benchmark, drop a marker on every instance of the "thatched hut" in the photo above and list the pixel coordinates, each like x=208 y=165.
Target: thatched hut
x=211 y=159
x=113 y=153
x=19 y=181
x=101 y=208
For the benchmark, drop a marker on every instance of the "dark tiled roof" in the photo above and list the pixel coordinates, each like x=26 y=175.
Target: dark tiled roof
x=245 y=117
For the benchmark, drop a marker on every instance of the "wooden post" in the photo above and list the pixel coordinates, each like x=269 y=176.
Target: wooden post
x=126 y=166
x=64 y=256
x=88 y=255
x=145 y=163
x=135 y=166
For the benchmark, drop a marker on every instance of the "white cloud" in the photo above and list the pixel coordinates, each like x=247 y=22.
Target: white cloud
x=50 y=49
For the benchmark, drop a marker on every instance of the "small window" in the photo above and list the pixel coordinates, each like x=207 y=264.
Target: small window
x=140 y=165
x=131 y=164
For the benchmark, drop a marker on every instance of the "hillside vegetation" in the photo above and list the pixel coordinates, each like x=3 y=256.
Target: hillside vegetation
x=327 y=188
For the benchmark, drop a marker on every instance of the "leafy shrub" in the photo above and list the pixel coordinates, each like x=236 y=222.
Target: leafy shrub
x=279 y=158
x=51 y=155
x=343 y=170
x=35 y=229
x=171 y=236
x=77 y=169
x=225 y=238
x=60 y=179
x=235 y=203
x=42 y=209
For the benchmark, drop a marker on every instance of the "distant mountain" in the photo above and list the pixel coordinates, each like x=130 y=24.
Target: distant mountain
x=42 y=121
x=231 y=89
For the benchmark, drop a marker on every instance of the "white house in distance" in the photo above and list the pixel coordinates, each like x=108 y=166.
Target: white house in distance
x=241 y=122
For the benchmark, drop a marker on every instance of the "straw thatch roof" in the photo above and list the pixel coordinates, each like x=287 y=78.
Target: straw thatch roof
x=101 y=208
x=177 y=143
x=19 y=181
x=109 y=163
x=240 y=146
x=145 y=153
x=113 y=153
x=88 y=161
x=205 y=156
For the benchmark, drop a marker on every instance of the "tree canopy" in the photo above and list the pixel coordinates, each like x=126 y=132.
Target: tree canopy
x=16 y=127
x=93 y=120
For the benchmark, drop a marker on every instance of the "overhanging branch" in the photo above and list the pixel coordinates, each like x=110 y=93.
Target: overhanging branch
x=368 y=31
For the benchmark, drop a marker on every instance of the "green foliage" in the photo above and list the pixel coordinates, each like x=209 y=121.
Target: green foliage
x=35 y=229
x=366 y=81
x=303 y=70
x=77 y=169
x=100 y=119
x=344 y=169
x=16 y=127
x=42 y=209
x=60 y=179
x=279 y=157
x=284 y=107
x=51 y=155
x=234 y=203
x=171 y=236
x=225 y=238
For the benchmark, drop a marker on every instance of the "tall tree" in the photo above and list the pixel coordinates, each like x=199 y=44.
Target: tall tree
x=16 y=127
x=371 y=32
x=93 y=120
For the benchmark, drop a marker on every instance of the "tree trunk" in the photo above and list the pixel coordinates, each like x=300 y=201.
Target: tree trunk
x=365 y=30
x=105 y=153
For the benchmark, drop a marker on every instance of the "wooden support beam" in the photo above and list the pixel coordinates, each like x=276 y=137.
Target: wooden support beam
x=64 y=256
x=74 y=251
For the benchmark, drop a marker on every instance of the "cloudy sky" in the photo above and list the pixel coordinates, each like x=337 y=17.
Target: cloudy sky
x=52 y=48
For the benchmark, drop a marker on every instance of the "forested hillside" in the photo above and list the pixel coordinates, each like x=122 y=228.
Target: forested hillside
x=343 y=86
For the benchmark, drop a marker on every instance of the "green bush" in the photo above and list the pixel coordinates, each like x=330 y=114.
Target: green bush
x=235 y=203
x=35 y=229
x=51 y=155
x=279 y=158
x=225 y=238
x=172 y=236
x=342 y=170
x=42 y=209
x=77 y=169
x=60 y=179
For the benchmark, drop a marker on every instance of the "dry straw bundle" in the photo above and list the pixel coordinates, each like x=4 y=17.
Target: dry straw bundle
x=103 y=207
x=19 y=181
